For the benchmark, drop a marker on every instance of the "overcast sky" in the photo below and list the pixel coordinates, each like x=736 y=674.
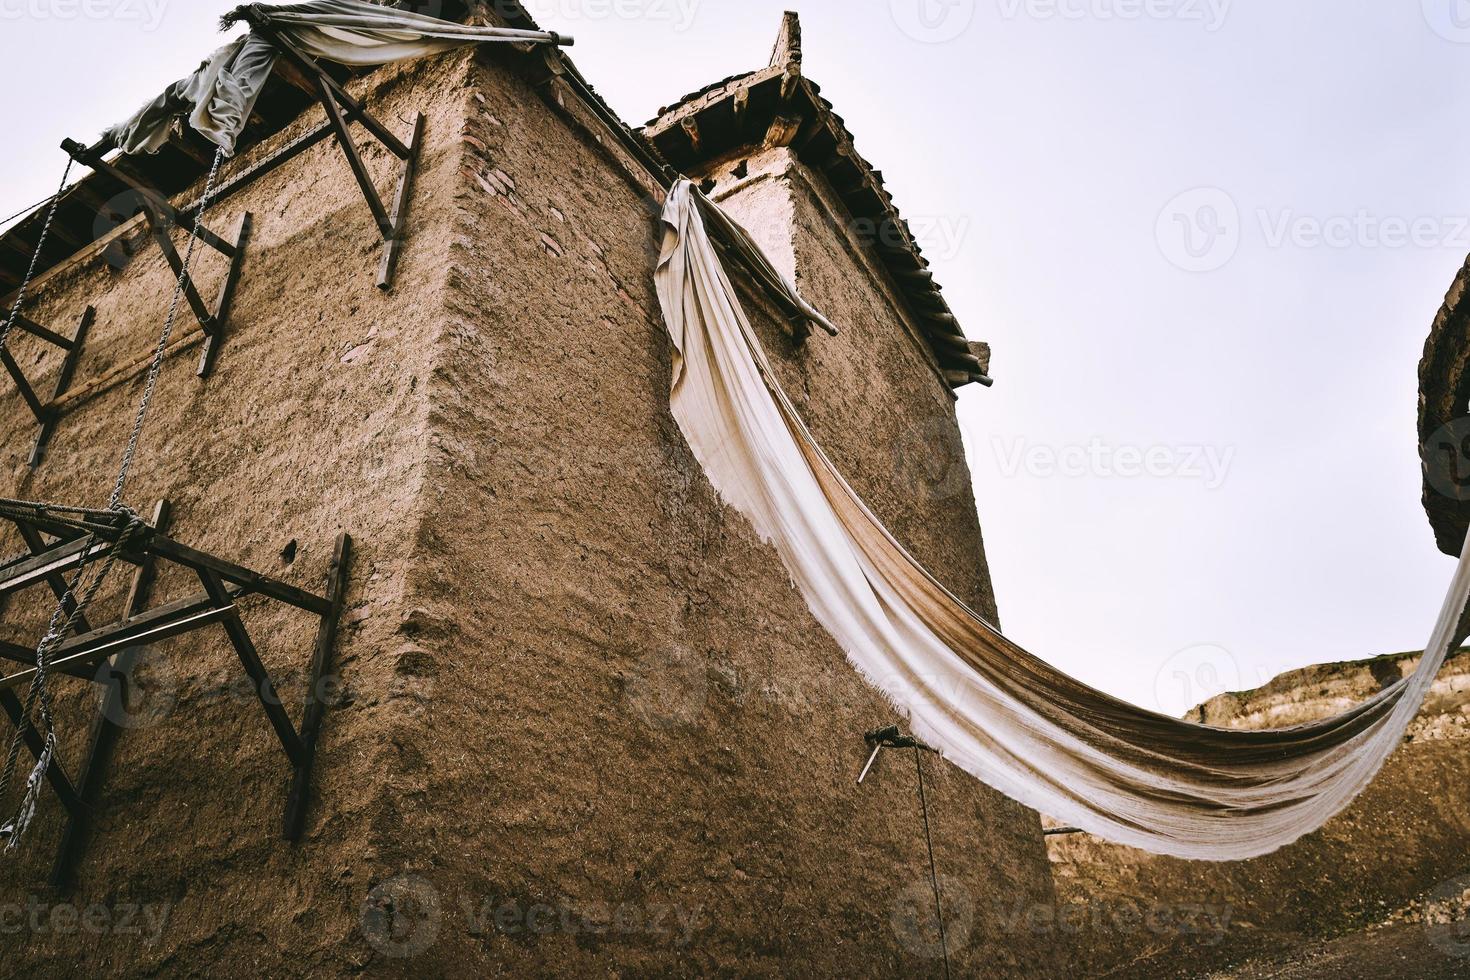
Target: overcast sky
x=1206 y=239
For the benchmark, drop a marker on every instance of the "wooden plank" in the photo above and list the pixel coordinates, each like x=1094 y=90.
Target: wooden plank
x=154 y=626
x=186 y=281
x=26 y=391
x=36 y=545
x=294 y=820
x=251 y=583
x=26 y=656
x=33 y=328
x=394 y=245
x=192 y=335
x=57 y=560
x=151 y=196
x=55 y=773
x=226 y=298
x=265 y=688
x=63 y=381
x=354 y=160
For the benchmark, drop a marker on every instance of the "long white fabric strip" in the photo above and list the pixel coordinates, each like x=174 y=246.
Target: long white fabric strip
x=1113 y=769
x=216 y=100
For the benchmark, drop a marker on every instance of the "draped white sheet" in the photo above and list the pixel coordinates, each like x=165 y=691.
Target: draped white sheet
x=1076 y=754
x=217 y=99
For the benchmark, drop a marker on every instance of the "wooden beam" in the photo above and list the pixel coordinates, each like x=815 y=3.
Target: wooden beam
x=399 y=220
x=690 y=125
x=294 y=821
x=105 y=727
x=55 y=774
x=782 y=131
x=265 y=688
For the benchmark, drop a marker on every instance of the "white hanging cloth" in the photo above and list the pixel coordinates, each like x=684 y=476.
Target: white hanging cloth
x=1076 y=754
x=216 y=100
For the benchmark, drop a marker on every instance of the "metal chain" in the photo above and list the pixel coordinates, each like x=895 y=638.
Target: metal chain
x=77 y=597
x=20 y=296
x=115 y=501
x=39 y=694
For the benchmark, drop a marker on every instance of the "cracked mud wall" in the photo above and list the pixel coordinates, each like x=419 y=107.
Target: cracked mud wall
x=587 y=721
x=639 y=750
x=314 y=422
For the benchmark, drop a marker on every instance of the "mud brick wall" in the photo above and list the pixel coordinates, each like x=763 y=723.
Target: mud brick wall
x=1399 y=841
x=588 y=723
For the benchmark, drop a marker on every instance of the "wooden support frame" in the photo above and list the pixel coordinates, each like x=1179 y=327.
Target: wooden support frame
x=162 y=217
x=107 y=656
x=46 y=415
x=342 y=109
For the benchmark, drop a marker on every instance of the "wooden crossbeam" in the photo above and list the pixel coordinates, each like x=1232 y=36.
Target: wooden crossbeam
x=342 y=109
x=265 y=688
x=150 y=196
x=63 y=382
x=399 y=220
x=294 y=820
x=106 y=656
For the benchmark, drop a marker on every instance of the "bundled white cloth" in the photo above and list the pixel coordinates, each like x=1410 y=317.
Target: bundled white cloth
x=1040 y=737
x=218 y=98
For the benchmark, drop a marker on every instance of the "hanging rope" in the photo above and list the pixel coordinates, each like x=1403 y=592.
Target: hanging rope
x=118 y=523
x=933 y=869
x=20 y=295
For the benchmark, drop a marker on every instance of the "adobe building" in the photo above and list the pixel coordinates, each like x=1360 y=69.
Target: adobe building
x=580 y=722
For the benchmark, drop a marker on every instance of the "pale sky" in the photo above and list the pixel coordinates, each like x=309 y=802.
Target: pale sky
x=1205 y=237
